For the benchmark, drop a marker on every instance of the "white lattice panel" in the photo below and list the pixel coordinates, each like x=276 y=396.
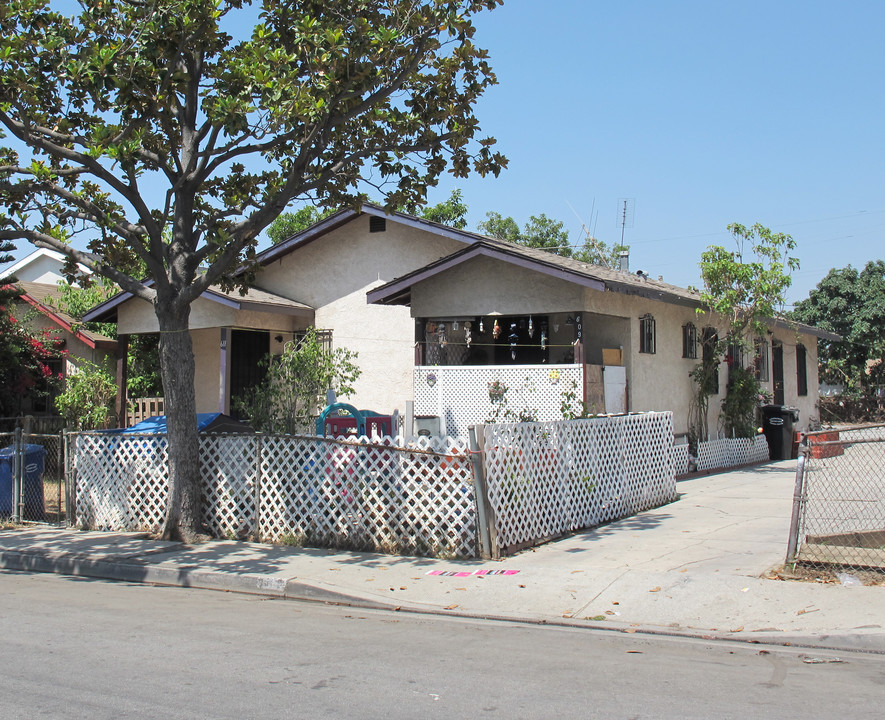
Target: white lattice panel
x=713 y=454
x=229 y=467
x=460 y=394
x=759 y=450
x=729 y=452
x=681 y=459
x=547 y=479
x=351 y=494
x=121 y=481
x=362 y=496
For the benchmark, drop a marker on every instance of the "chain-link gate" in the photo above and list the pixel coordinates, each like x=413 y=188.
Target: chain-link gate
x=32 y=478
x=839 y=503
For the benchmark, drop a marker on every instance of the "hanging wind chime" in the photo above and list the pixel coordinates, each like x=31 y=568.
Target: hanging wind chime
x=467 y=336
x=531 y=328
x=496 y=330
x=514 y=338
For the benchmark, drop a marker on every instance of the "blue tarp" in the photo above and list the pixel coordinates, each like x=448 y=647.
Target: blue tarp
x=206 y=422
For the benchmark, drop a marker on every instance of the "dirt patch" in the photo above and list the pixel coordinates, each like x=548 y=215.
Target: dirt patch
x=825 y=575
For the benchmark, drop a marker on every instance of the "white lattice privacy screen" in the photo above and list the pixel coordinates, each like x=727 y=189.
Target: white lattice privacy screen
x=722 y=453
x=548 y=479
x=417 y=500
x=467 y=395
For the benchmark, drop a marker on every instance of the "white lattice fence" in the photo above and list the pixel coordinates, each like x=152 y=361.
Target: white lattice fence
x=229 y=467
x=345 y=494
x=681 y=459
x=367 y=496
x=121 y=481
x=460 y=394
x=729 y=452
x=547 y=479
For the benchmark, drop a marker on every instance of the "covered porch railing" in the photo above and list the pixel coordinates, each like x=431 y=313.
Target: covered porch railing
x=464 y=395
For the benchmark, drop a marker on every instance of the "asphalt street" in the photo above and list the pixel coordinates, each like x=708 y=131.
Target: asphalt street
x=99 y=649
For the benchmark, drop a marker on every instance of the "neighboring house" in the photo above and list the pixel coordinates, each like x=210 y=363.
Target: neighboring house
x=425 y=282
x=75 y=343
x=41 y=266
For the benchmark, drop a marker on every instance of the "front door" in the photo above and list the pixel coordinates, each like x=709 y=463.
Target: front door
x=777 y=372
x=248 y=349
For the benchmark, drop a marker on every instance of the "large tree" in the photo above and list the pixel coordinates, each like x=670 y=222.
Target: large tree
x=548 y=234
x=743 y=289
x=852 y=304
x=539 y=232
x=145 y=128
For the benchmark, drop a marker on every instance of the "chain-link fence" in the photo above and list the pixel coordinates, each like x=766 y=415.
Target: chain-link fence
x=32 y=478
x=839 y=503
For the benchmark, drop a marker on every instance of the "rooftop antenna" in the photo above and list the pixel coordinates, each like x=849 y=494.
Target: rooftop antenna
x=626 y=211
x=586 y=231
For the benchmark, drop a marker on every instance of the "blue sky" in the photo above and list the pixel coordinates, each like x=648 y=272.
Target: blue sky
x=702 y=113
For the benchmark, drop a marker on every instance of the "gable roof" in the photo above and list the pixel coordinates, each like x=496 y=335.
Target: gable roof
x=398 y=291
x=254 y=299
x=342 y=217
x=41 y=296
x=53 y=256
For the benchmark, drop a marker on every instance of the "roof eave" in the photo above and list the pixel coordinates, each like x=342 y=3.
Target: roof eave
x=86 y=338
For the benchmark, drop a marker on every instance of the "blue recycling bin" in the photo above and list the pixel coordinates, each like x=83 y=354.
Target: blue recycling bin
x=34 y=459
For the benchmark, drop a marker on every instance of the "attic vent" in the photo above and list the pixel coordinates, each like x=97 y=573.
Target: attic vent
x=377 y=224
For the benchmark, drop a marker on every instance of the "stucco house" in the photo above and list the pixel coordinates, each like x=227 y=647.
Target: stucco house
x=439 y=315
x=41 y=266
x=627 y=341
x=38 y=275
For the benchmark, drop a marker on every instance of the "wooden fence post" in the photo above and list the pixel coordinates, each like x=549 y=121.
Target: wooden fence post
x=485 y=515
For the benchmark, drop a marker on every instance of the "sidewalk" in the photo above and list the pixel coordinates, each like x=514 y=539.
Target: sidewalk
x=693 y=567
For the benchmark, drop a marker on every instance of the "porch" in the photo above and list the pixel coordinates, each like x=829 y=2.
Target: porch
x=529 y=367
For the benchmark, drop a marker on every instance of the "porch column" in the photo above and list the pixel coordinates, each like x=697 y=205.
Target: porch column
x=224 y=373
x=419 y=342
x=580 y=356
x=122 y=380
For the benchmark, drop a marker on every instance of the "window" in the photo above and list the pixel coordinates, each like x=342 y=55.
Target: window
x=647 y=334
x=735 y=355
x=377 y=224
x=801 y=371
x=689 y=341
x=323 y=338
x=708 y=343
x=761 y=360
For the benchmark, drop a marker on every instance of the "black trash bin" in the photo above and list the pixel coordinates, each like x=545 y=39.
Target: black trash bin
x=34 y=459
x=777 y=424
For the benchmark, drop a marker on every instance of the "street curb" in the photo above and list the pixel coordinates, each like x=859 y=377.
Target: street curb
x=294 y=589
x=137 y=572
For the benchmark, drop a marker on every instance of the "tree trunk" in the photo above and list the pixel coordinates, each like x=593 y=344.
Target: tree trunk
x=183 y=509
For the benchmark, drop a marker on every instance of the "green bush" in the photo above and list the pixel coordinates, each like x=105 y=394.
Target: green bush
x=742 y=397
x=88 y=398
x=296 y=383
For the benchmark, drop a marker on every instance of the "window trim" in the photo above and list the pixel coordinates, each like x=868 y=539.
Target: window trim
x=647 y=334
x=801 y=370
x=690 y=341
x=709 y=339
x=762 y=359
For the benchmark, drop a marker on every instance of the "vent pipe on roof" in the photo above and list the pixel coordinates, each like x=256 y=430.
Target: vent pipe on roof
x=624 y=261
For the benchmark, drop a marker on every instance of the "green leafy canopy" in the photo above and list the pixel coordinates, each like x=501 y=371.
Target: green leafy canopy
x=850 y=303
x=130 y=96
x=748 y=285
